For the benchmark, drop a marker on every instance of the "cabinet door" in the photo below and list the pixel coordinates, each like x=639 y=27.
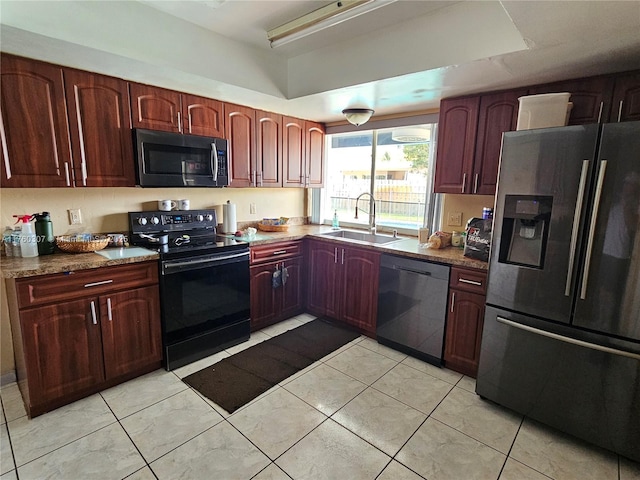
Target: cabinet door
x=131 y=337
x=292 y=292
x=457 y=128
x=591 y=98
x=498 y=114
x=63 y=349
x=269 y=149
x=323 y=280
x=293 y=152
x=202 y=116
x=314 y=156
x=265 y=300
x=155 y=108
x=626 y=98
x=359 y=292
x=100 y=128
x=240 y=123
x=33 y=128
x=464 y=332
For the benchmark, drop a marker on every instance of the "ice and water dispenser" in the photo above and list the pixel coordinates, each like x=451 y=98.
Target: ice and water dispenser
x=525 y=229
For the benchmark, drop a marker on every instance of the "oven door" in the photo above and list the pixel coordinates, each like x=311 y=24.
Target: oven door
x=205 y=304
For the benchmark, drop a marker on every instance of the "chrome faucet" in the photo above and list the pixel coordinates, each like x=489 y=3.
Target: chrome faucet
x=372 y=213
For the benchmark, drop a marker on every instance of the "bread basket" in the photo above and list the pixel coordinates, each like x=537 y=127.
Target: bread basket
x=81 y=243
x=272 y=228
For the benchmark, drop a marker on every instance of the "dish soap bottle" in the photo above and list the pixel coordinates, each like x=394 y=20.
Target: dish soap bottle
x=335 y=224
x=28 y=244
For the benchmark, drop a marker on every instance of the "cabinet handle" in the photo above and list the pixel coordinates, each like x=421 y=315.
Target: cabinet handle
x=453 y=301
x=255 y=179
x=464 y=181
x=179 y=122
x=600 y=112
x=5 y=149
x=95 y=284
x=66 y=173
x=343 y=256
x=620 y=111
x=471 y=282
x=260 y=175
x=279 y=252
x=94 y=318
x=475 y=184
x=335 y=255
x=109 y=309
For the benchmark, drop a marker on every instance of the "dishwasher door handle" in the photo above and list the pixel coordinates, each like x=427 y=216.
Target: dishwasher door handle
x=410 y=270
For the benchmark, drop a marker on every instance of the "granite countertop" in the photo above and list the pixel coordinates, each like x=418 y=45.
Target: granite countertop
x=12 y=267
x=407 y=246
x=59 y=262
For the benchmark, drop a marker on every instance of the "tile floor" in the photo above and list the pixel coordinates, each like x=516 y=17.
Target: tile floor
x=363 y=412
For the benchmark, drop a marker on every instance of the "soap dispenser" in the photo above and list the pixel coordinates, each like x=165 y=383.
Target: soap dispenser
x=336 y=223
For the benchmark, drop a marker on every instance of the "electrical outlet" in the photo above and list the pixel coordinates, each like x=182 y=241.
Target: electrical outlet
x=252 y=208
x=75 y=216
x=455 y=219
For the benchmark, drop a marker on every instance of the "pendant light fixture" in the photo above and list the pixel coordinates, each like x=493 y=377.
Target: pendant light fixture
x=357 y=116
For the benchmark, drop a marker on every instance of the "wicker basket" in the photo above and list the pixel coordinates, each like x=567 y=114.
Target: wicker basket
x=73 y=244
x=272 y=228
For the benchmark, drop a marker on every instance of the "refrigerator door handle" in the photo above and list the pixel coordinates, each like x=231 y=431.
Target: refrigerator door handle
x=576 y=225
x=592 y=229
x=573 y=341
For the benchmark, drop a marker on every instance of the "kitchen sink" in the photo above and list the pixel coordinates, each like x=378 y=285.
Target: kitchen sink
x=374 y=238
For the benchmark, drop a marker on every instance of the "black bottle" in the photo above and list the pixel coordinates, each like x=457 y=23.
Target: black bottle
x=44 y=234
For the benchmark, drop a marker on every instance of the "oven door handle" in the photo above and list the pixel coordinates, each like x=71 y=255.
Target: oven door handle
x=174 y=266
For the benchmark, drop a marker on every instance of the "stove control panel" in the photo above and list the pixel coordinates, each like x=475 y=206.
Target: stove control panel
x=159 y=221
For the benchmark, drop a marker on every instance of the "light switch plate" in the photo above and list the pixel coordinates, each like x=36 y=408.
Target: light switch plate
x=455 y=219
x=252 y=208
x=75 y=216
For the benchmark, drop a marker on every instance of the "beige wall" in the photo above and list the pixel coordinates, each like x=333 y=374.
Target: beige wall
x=469 y=205
x=105 y=210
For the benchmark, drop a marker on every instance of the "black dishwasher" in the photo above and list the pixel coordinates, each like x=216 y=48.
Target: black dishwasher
x=412 y=306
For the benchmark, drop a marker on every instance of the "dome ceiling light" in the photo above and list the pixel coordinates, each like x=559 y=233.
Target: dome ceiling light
x=357 y=116
x=411 y=135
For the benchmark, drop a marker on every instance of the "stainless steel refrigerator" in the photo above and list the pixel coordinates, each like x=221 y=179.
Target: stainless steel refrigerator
x=561 y=338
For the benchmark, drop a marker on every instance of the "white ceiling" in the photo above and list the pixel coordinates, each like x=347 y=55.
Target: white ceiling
x=405 y=56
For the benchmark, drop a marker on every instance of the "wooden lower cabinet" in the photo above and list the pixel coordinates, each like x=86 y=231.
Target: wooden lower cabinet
x=271 y=304
x=465 y=320
x=342 y=283
x=83 y=340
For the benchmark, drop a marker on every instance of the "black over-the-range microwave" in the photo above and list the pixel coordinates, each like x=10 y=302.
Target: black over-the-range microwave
x=165 y=159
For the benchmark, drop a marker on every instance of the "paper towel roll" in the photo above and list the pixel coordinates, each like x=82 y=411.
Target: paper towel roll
x=229 y=223
x=219 y=214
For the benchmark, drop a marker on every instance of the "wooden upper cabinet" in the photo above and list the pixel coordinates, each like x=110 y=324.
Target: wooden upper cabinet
x=155 y=108
x=626 y=98
x=34 y=132
x=457 y=128
x=268 y=161
x=100 y=129
x=240 y=124
x=498 y=114
x=591 y=98
x=293 y=152
x=202 y=116
x=314 y=154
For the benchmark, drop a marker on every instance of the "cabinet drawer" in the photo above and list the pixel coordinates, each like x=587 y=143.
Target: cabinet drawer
x=473 y=281
x=276 y=251
x=54 y=288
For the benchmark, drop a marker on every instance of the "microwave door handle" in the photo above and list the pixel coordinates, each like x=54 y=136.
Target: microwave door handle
x=214 y=161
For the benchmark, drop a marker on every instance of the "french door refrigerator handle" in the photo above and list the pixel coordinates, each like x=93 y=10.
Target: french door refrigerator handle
x=576 y=225
x=592 y=228
x=562 y=338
